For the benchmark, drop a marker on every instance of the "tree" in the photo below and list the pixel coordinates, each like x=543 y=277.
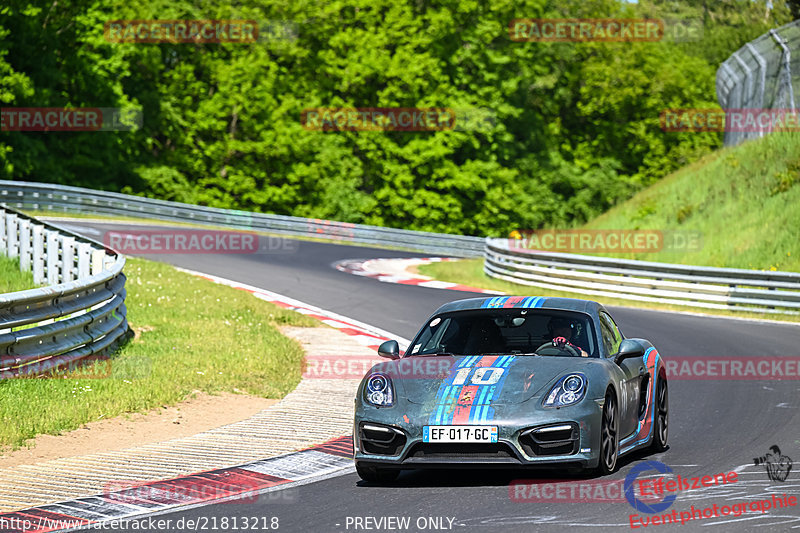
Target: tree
x=794 y=8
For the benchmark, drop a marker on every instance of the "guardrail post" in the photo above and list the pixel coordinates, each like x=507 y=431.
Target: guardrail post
x=25 y=245
x=84 y=259
x=52 y=257
x=38 y=254
x=98 y=261
x=12 y=244
x=3 y=238
x=68 y=256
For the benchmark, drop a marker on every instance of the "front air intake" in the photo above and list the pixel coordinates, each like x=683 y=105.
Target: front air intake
x=498 y=450
x=555 y=439
x=377 y=439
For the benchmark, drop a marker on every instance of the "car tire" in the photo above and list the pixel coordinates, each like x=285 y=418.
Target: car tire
x=661 y=415
x=609 y=436
x=373 y=474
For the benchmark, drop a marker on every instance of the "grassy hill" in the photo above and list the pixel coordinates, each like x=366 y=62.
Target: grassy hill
x=744 y=200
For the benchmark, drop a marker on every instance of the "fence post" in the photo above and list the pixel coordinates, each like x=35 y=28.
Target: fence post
x=68 y=259
x=52 y=256
x=762 y=79
x=84 y=259
x=98 y=261
x=748 y=99
x=736 y=86
x=12 y=249
x=38 y=254
x=25 y=245
x=787 y=65
x=3 y=237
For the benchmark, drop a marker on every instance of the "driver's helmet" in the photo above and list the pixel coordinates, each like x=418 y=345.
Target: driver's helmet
x=558 y=322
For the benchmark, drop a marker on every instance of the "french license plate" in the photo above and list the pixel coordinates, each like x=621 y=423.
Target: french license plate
x=459 y=434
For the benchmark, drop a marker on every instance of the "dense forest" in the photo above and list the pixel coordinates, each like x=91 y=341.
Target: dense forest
x=574 y=126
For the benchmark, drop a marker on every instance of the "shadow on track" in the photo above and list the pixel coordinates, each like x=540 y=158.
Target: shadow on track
x=499 y=477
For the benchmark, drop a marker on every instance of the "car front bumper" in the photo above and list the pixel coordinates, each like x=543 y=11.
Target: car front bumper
x=389 y=437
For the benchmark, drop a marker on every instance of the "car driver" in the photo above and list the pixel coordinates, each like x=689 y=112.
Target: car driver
x=561 y=331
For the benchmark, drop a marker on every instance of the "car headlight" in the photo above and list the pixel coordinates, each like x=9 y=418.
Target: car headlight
x=378 y=390
x=569 y=390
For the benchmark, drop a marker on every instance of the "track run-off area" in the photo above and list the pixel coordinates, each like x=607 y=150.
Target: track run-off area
x=716 y=425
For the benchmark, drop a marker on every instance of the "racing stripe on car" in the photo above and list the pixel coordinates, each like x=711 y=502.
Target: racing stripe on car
x=486 y=361
x=511 y=302
x=649 y=415
x=438 y=408
x=475 y=400
x=466 y=402
x=491 y=302
x=474 y=415
x=447 y=397
x=486 y=411
x=488 y=390
x=483 y=400
x=646 y=423
x=446 y=389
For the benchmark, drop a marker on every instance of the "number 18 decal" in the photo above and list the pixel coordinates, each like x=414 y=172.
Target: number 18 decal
x=482 y=376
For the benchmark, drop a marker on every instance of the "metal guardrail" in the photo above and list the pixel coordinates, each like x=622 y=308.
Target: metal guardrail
x=80 y=314
x=63 y=199
x=694 y=286
x=759 y=76
x=711 y=288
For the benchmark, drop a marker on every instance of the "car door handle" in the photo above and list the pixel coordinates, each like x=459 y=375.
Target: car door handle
x=641 y=370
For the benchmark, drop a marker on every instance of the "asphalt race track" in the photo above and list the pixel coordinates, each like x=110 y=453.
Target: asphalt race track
x=715 y=426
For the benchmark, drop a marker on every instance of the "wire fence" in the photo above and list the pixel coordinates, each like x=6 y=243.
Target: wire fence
x=763 y=74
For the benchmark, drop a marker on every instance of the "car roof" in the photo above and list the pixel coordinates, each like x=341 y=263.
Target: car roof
x=522 y=302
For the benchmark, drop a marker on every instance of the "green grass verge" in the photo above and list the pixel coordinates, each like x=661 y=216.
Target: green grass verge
x=744 y=200
x=470 y=272
x=11 y=279
x=192 y=336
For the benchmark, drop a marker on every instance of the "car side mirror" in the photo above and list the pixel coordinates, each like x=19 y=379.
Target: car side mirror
x=628 y=349
x=389 y=349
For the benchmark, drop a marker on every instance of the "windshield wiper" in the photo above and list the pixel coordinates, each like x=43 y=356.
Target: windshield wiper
x=431 y=354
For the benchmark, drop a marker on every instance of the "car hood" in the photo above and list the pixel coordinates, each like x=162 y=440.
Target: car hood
x=498 y=380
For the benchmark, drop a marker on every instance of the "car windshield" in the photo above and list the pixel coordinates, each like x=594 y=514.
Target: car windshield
x=502 y=331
